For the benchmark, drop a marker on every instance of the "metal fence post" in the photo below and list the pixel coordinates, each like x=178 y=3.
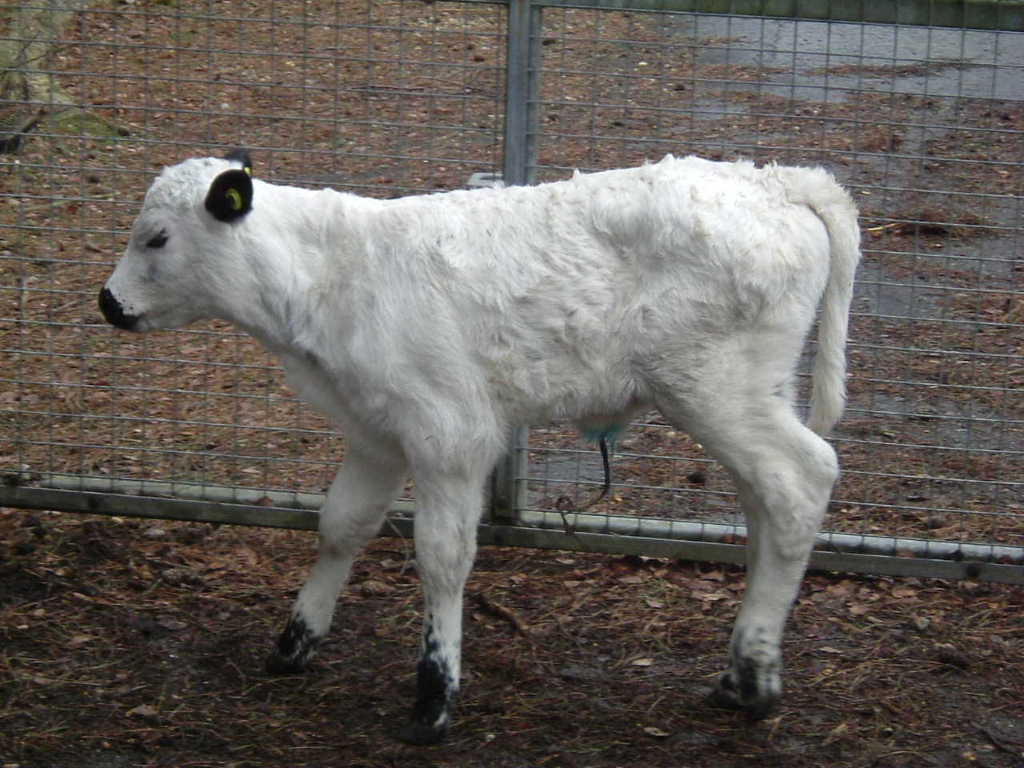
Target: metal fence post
x=521 y=88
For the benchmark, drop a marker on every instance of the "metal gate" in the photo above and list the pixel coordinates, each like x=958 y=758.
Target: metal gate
x=917 y=107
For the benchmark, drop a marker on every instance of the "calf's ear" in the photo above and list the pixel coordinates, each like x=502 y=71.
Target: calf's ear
x=230 y=195
x=240 y=156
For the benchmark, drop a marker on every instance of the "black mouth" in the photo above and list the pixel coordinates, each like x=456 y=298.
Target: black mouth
x=114 y=313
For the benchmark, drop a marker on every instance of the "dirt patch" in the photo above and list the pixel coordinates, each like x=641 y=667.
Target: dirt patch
x=129 y=643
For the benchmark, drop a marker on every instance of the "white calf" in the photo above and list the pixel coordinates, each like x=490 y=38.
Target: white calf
x=428 y=326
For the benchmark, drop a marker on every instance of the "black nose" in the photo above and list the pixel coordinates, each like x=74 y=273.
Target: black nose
x=114 y=312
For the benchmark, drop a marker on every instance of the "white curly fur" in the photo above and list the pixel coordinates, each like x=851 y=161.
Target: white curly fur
x=428 y=326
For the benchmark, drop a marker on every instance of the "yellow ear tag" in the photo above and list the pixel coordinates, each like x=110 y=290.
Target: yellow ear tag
x=248 y=170
x=235 y=198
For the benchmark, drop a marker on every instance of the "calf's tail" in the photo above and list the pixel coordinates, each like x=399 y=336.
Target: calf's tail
x=833 y=205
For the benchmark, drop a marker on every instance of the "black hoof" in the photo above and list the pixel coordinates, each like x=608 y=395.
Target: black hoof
x=725 y=696
x=421 y=735
x=277 y=664
x=295 y=648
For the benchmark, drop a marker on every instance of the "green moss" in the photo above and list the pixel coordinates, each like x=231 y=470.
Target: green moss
x=79 y=122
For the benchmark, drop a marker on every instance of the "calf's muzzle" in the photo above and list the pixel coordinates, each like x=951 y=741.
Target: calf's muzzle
x=114 y=313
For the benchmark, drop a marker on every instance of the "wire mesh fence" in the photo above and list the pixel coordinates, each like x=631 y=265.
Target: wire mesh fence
x=382 y=99
x=925 y=124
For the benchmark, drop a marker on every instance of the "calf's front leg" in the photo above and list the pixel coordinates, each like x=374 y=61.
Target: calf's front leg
x=356 y=504
x=446 y=538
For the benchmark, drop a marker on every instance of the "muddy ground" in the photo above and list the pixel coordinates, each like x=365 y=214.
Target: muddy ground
x=127 y=643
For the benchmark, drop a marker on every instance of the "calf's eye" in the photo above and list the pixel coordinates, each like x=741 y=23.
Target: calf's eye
x=157 y=241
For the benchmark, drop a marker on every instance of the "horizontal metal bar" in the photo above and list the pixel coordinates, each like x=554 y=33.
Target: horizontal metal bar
x=158 y=507
x=985 y=14
x=267 y=461
x=827 y=541
x=704 y=551
x=152 y=420
x=935 y=352
x=1007 y=15
x=596 y=533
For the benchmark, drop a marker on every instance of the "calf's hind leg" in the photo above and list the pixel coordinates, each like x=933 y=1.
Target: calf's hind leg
x=356 y=504
x=784 y=473
x=784 y=489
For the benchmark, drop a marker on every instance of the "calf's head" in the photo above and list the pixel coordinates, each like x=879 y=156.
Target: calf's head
x=183 y=247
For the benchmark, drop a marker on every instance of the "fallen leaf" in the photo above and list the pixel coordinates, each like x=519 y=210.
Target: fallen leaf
x=712 y=597
x=144 y=711
x=372 y=587
x=250 y=556
x=842 y=589
x=838 y=732
x=657 y=733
